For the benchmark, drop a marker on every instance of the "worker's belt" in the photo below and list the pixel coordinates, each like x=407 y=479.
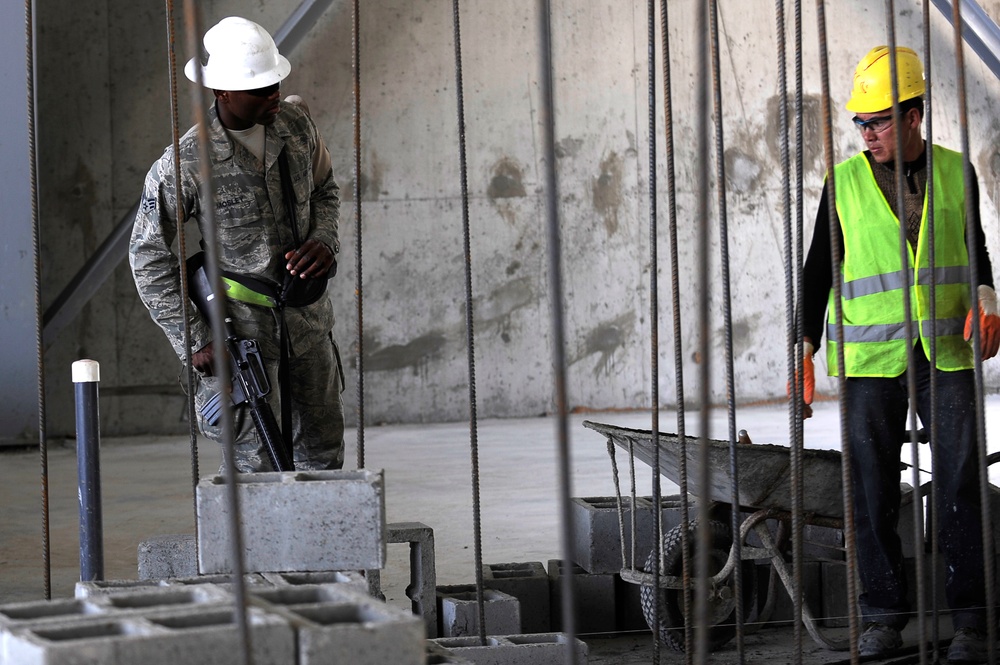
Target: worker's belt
x=294 y=292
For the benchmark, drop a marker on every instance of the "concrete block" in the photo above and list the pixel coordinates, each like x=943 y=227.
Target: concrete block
x=112 y=587
x=628 y=607
x=597 y=537
x=163 y=557
x=438 y=655
x=529 y=583
x=594 y=595
x=536 y=649
x=834 y=596
x=822 y=543
x=295 y=521
x=783 y=610
x=352 y=578
x=422 y=590
x=207 y=636
x=458 y=608
x=356 y=629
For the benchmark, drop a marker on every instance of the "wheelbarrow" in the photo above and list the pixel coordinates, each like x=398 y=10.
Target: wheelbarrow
x=764 y=493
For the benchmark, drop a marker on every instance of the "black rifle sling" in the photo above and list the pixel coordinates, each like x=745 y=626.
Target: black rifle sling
x=284 y=378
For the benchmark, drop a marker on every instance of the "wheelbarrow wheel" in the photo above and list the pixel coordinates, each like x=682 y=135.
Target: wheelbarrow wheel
x=722 y=605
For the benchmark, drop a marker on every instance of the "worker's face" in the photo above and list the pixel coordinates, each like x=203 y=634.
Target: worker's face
x=879 y=133
x=242 y=109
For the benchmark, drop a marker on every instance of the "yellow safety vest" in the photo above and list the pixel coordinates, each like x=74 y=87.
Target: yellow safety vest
x=873 y=275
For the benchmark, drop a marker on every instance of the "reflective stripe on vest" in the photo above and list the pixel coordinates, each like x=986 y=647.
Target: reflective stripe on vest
x=238 y=291
x=874 y=274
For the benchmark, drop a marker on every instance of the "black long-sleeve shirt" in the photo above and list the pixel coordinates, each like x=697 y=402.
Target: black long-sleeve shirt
x=817 y=274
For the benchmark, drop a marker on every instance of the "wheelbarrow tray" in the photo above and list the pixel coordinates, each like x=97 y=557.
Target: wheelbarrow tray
x=764 y=470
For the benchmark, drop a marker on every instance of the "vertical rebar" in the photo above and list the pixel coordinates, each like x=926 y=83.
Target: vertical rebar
x=43 y=449
x=703 y=471
x=720 y=177
x=182 y=251
x=554 y=249
x=835 y=260
x=932 y=313
x=217 y=316
x=469 y=327
x=654 y=328
x=911 y=373
x=793 y=347
x=970 y=236
x=675 y=291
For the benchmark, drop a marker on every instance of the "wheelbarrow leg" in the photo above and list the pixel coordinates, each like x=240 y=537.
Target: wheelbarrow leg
x=780 y=567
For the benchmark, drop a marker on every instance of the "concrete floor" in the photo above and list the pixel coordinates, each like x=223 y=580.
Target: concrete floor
x=146 y=485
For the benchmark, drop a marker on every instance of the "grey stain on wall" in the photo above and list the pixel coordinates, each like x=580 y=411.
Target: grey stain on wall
x=504 y=300
x=413 y=354
x=812 y=132
x=605 y=339
x=607 y=191
x=506 y=182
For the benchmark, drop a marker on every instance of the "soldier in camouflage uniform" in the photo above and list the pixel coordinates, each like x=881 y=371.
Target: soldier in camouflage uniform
x=248 y=128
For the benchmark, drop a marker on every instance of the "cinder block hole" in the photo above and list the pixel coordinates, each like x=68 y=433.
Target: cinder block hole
x=292 y=595
x=488 y=594
x=510 y=574
x=306 y=476
x=121 y=585
x=201 y=620
x=93 y=631
x=48 y=609
x=511 y=569
x=250 y=478
x=328 y=577
x=534 y=639
x=329 y=615
x=139 y=600
x=458 y=642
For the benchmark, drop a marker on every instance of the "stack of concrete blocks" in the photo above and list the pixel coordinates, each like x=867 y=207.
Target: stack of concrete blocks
x=306 y=624
x=528 y=649
x=597 y=551
x=168 y=625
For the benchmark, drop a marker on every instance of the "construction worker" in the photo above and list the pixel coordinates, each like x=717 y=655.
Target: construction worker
x=873 y=274
x=272 y=229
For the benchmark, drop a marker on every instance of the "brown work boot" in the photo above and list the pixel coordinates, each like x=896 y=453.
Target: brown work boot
x=878 y=639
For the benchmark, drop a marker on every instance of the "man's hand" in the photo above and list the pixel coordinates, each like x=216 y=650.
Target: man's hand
x=808 y=379
x=203 y=359
x=989 y=323
x=311 y=260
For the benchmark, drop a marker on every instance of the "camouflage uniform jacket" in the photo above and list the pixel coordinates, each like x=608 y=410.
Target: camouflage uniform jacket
x=252 y=227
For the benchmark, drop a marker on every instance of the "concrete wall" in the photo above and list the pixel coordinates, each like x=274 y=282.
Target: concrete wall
x=105 y=116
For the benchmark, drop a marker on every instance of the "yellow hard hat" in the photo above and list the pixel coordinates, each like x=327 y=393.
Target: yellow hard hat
x=872 y=91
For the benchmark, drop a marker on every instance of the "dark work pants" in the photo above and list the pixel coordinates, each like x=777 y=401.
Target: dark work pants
x=876 y=411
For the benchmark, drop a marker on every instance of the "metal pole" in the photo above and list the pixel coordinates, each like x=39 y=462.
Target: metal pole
x=86 y=376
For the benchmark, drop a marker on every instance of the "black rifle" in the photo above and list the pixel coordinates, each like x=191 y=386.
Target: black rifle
x=250 y=383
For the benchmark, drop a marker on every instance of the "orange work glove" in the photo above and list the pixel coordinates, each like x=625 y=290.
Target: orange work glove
x=808 y=378
x=989 y=323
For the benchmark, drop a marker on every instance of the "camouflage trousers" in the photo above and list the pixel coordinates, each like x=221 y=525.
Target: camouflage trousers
x=317 y=381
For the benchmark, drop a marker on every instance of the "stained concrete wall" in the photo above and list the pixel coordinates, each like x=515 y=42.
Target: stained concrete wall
x=105 y=116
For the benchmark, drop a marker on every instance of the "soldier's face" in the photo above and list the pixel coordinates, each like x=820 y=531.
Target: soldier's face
x=242 y=109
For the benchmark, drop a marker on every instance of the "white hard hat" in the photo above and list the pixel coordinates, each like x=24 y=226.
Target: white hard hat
x=241 y=56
